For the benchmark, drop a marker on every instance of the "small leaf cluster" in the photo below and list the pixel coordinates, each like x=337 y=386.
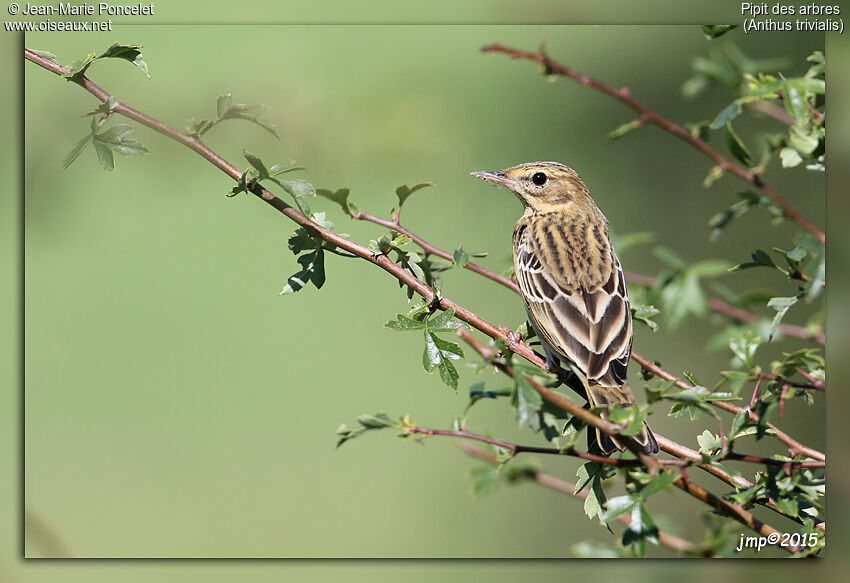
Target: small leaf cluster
x=114 y=140
x=678 y=290
x=128 y=53
x=438 y=353
x=226 y=109
x=640 y=486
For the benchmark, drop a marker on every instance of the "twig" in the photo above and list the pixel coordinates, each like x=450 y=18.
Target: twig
x=548 y=481
x=647 y=116
x=517 y=448
x=430 y=249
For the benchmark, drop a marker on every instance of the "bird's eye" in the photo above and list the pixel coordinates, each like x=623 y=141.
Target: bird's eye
x=539 y=178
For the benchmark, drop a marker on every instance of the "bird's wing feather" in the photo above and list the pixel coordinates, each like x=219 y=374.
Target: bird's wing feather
x=576 y=295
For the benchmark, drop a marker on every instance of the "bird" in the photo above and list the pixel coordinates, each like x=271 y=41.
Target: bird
x=573 y=286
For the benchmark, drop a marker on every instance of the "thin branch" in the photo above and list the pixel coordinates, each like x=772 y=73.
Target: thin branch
x=517 y=449
x=430 y=249
x=548 y=481
x=647 y=116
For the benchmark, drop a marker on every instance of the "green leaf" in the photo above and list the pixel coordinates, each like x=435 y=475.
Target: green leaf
x=728 y=113
x=781 y=305
x=339 y=196
x=312 y=270
x=104 y=156
x=367 y=423
x=378 y=421
x=659 y=482
x=442 y=322
x=644 y=313
x=405 y=324
x=256 y=163
x=76 y=151
x=737 y=147
x=438 y=354
x=115 y=138
x=713 y=31
x=403 y=191
x=708 y=442
x=128 y=53
x=226 y=109
x=299 y=190
x=484 y=479
x=744 y=348
x=640 y=530
x=223 y=104
x=460 y=256
x=715 y=174
x=526 y=400
x=623 y=129
x=617 y=506
x=758 y=259
x=795 y=104
x=804 y=140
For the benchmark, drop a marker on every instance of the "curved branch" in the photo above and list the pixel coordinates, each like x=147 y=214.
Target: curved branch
x=647 y=116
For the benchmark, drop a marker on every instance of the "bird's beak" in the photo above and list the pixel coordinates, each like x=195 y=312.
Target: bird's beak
x=496 y=177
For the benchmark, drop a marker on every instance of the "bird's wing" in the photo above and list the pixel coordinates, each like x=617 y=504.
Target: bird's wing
x=576 y=294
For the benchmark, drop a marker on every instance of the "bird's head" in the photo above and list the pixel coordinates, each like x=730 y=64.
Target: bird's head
x=541 y=186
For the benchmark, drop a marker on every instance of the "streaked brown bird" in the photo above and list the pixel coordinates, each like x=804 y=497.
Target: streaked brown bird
x=573 y=285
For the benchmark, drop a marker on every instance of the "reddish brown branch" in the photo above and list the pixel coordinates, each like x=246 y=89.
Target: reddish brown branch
x=430 y=249
x=647 y=116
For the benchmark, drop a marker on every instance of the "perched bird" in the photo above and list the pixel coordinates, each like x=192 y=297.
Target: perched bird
x=573 y=285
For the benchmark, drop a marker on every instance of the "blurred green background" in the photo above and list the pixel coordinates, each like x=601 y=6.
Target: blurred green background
x=176 y=406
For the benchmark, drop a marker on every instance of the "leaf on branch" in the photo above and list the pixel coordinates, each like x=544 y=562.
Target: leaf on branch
x=781 y=305
x=340 y=197
x=128 y=53
x=105 y=143
x=644 y=313
x=640 y=530
x=591 y=474
x=403 y=191
x=623 y=129
x=226 y=109
x=737 y=147
x=708 y=443
x=76 y=151
x=728 y=113
x=367 y=423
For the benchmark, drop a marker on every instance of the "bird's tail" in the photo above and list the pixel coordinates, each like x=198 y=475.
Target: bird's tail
x=597 y=396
